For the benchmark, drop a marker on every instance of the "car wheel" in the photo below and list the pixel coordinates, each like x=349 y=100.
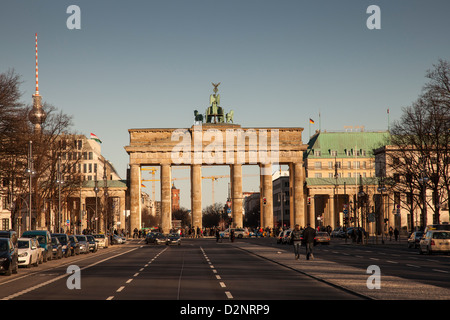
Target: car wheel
x=9 y=271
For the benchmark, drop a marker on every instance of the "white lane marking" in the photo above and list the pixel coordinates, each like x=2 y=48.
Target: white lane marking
x=120 y=289
x=443 y=271
x=129 y=280
x=412 y=265
x=110 y=298
x=229 y=296
x=43 y=284
x=222 y=284
x=218 y=277
x=391 y=261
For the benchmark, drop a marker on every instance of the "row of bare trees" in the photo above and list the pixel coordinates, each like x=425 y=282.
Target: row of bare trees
x=16 y=132
x=420 y=143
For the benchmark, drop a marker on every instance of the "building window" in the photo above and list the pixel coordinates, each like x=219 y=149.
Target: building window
x=317 y=175
x=91 y=156
x=333 y=153
x=317 y=165
x=317 y=153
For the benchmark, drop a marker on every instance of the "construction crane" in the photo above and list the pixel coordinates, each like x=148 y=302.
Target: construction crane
x=213 y=179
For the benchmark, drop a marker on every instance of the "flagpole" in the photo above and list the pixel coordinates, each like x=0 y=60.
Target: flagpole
x=320 y=123
x=389 y=123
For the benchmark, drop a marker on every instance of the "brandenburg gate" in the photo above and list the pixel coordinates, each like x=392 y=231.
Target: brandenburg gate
x=218 y=141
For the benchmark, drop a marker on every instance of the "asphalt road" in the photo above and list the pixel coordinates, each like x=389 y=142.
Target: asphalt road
x=247 y=270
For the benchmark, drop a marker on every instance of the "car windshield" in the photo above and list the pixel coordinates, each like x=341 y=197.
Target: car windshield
x=63 y=240
x=22 y=244
x=99 y=236
x=81 y=238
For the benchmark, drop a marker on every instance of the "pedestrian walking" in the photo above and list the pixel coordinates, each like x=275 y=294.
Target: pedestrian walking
x=217 y=235
x=308 y=236
x=396 y=233
x=296 y=240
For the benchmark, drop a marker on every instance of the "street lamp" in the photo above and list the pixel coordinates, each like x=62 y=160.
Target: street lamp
x=381 y=188
x=423 y=181
x=59 y=181
x=96 y=206
x=30 y=173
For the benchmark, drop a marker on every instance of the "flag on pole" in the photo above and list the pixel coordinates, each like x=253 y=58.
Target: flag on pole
x=143 y=186
x=311 y=121
x=94 y=137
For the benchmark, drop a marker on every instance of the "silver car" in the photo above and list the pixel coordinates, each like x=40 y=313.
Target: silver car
x=83 y=243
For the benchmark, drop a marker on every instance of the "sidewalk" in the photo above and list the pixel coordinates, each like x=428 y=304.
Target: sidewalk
x=349 y=278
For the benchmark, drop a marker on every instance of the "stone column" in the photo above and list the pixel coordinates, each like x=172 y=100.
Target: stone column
x=332 y=215
x=166 y=206
x=236 y=204
x=196 y=196
x=122 y=215
x=135 y=197
x=312 y=212
x=299 y=197
x=291 y=195
x=267 y=209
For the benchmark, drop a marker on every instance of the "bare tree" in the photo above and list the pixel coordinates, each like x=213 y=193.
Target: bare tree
x=421 y=140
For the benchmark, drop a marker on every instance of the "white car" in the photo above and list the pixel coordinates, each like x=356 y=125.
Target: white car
x=39 y=249
x=435 y=241
x=102 y=240
x=28 y=252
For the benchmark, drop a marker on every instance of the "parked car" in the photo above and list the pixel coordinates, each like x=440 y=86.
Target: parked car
x=39 y=249
x=65 y=243
x=83 y=243
x=74 y=245
x=10 y=234
x=338 y=233
x=8 y=257
x=322 y=238
x=414 y=239
x=93 y=245
x=435 y=241
x=57 y=248
x=238 y=233
x=102 y=240
x=173 y=238
x=45 y=241
x=437 y=227
x=156 y=238
x=286 y=239
x=28 y=252
x=117 y=239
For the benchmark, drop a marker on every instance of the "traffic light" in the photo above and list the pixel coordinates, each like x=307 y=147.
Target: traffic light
x=264 y=200
x=309 y=201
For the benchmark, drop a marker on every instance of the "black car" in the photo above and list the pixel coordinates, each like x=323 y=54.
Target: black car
x=8 y=257
x=56 y=248
x=174 y=238
x=155 y=237
x=74 y=245
x=65 y=243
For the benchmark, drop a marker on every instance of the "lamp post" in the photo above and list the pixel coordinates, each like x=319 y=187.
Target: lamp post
x=381 y=188
x=282 y=199
x=96 y=206
x=30 y=173
x=423 y=181
x=59 y=181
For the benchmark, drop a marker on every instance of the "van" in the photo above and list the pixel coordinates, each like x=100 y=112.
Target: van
x=45 y=241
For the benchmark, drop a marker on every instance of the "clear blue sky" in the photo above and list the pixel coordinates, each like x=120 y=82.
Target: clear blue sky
x=146 y=64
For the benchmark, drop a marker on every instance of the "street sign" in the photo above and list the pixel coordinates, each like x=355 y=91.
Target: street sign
x=345 y=211
x=229 y=210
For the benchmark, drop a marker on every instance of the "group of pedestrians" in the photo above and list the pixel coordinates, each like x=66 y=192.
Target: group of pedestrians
x=308 y=238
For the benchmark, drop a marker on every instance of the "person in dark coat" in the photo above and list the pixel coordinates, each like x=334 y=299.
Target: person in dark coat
x=296 y=237
x=308 y=237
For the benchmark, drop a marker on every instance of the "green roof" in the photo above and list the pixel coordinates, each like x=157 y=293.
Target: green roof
x=109 y=184
x=340 y=181
x=325 y=142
